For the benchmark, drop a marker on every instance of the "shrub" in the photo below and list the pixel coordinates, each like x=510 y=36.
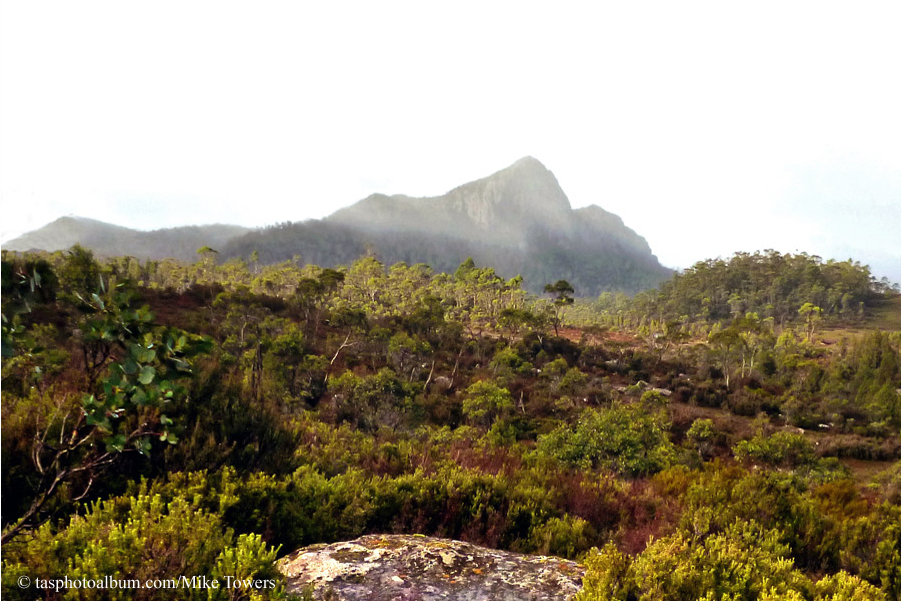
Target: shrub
x=371 y=402
x=701 y=431
x=142 y=537
x=745 y=562
x=565 y=537
x=781 y=449
x=507 y=364
x=485 y=402
x=627 y=438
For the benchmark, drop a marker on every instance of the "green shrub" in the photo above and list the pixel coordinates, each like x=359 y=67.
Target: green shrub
x=567 y=537
x=372 y=402
x=630 y=439
x=745 y=562
x=507 y=364
x=608 y=576
x=573 y=381
x=142 y=537
x=781 y=449
x=701 y=431
x=485 y=402
x=843 y=586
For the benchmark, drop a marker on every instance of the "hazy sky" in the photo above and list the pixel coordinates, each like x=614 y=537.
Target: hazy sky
x=709 y=127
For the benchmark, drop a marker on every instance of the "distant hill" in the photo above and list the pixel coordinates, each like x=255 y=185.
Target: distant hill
x=517 y=220
x=110 y=240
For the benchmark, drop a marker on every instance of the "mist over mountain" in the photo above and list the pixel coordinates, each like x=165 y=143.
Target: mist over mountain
x=502 y=207
x=111 y=240
x=517 y=220
x=508 y=208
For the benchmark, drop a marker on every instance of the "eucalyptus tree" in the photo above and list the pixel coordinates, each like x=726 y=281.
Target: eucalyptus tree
x=134 y=371
x=562 y=295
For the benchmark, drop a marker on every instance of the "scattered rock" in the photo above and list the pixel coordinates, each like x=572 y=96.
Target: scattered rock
x=414 y=567
x=443 y=382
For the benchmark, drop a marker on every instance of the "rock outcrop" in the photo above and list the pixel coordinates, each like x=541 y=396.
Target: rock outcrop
x=414 y=567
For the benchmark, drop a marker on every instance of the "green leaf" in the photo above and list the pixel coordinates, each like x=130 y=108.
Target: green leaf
x=129 y=366
x=115 y=443
x=139 y=397
x=147 y=375
x=143 y=446
x=102 y=423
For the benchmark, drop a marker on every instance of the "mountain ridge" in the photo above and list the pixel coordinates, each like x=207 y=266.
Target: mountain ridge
x=517 y=220
x=108 y=239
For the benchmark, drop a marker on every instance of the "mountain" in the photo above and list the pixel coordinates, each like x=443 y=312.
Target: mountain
x=110 y=240
x=507 y=209
x=502 y=207
x=517 y=220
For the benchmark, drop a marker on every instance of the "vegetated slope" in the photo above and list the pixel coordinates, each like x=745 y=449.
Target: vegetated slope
x=325 y=405
x=517 y=220
x=110 y=240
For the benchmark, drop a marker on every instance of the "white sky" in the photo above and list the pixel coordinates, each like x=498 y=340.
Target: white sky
x=709 y=127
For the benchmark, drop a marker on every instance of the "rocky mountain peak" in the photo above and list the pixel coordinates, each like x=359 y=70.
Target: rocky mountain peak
x=504 y=206
x=513 y=198
x=529 y=166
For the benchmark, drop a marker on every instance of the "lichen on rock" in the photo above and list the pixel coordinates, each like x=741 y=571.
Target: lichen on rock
x=414 y=567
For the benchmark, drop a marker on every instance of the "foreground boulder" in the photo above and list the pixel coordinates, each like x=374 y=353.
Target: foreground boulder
x=414 y=567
